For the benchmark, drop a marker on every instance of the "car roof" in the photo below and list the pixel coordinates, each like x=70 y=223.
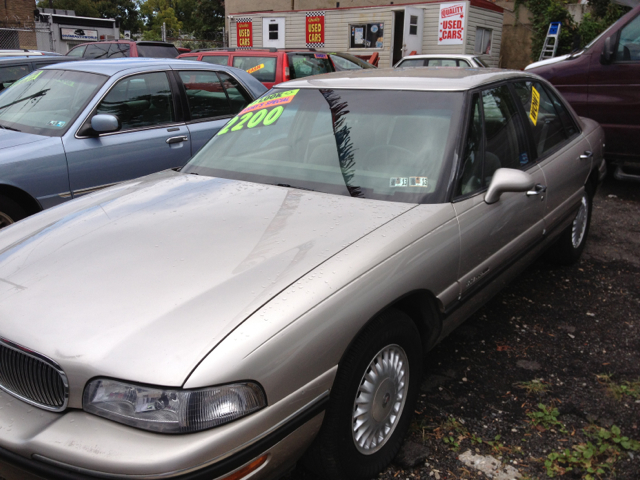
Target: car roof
x=111 y=66
x=464 y=56
x=35 y=59
x=428 y=78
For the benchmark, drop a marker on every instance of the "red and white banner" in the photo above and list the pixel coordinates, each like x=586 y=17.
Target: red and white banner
x=315 y=30
x=451 y=25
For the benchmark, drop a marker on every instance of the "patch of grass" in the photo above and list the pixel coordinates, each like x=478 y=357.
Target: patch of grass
x=593 y=458
x=620 y=390
x=546 y=417
x=454 y=432
x=536 y=387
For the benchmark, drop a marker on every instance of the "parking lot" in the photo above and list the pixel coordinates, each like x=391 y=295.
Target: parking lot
x=573 y=330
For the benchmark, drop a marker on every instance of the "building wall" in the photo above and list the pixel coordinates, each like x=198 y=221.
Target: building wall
x=17 y=11
x=516 y=36
x=480 y=17
x=337 y=30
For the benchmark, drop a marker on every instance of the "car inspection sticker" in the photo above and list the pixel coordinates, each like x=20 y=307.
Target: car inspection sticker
x=57 y=123
x=535 y=106
x=398 y=182
x=256 y=68
x=418 y=181
x=264 y=111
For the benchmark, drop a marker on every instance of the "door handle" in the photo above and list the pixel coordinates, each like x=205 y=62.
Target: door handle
x=181 y=138
x=586 y=154
x=538 y=189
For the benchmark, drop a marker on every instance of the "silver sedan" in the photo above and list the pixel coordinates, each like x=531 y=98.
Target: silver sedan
x=272 y=302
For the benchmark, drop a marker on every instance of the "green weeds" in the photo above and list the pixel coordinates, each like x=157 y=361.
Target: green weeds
x=546 y=417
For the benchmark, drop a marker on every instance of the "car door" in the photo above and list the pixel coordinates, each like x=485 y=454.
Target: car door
x=492 y=236
x=563 y=153
x=152 y=137
x=212 y=98
x=614 y=92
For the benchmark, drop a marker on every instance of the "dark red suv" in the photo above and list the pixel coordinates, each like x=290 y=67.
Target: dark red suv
x=270 y=65
x=124 y=48
x=602 y=82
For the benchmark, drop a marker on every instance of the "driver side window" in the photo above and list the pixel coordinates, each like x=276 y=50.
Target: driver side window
x=629 y=44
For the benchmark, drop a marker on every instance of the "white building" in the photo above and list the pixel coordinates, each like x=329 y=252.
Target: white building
x=61 y=30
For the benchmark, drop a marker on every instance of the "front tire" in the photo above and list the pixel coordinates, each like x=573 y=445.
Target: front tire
x=372 y=401
x=10 y=212
x=569 y=247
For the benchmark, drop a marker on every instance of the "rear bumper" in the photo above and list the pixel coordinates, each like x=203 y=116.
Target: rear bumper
x=283 y=447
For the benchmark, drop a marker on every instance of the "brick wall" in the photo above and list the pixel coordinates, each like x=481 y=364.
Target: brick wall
x=16 y=11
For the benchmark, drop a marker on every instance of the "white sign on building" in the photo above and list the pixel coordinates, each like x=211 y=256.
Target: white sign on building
x=451 y=23
x=79 y=34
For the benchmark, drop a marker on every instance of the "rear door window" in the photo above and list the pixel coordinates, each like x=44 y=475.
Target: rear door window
x=238 y=96
x=216 y=59
x=97 y=50
x=262 y=68
x=205 y=95
x=307 y=64
x=118 y=50
x=8 y=75
x=140 y=101
x=77 y=52
x=544 y=122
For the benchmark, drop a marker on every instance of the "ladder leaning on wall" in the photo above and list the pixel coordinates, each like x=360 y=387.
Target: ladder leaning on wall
x=550 y=46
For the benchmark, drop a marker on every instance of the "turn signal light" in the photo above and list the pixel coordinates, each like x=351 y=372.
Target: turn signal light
x=252 y=467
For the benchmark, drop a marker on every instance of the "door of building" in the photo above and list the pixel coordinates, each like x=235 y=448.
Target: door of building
x=273 y=32
x=412 y=30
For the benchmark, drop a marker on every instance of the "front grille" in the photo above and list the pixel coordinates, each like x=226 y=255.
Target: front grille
x=32 y=377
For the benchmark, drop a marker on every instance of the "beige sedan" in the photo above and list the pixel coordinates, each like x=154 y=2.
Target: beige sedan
x=272 y=302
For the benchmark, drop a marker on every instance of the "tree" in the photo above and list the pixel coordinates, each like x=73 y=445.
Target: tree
x=124 y=11
x=158 y=12
x=82 y=8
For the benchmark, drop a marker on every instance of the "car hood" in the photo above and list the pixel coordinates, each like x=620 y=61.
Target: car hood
x=141 y=281
x=548 y=61
x=9 y=138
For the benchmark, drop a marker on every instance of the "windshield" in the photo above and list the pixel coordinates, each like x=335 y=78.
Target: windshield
x=380 y=144
x=46 y=102
x=307 y=64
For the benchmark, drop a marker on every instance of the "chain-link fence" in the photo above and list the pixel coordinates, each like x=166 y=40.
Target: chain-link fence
x=32 y=36
x=185 y=40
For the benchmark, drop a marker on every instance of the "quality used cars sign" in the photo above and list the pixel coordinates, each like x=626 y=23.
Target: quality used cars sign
x=451 y=25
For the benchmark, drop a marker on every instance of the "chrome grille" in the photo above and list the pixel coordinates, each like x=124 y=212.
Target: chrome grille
x=32 y=377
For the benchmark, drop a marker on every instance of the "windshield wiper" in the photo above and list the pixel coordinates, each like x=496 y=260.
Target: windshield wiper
x=293 y=186
x=9 y=128
x=37 y=94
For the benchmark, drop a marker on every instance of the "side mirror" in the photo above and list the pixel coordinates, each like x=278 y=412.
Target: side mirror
x=507 y=180
x=104 y=123
x=607 y=55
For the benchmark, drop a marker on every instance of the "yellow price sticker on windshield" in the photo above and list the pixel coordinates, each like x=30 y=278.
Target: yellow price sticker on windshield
x=535 y=106
x=256 y=68
x=272 y=100
x=30 y=77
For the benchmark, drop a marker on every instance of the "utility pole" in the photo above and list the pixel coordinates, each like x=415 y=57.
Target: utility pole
x=164 y=31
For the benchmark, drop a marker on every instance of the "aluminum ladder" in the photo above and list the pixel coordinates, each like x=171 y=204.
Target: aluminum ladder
x=550 y=46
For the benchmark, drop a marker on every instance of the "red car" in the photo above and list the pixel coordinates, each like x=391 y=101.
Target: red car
x=270 y=65
x=124 y=48
x=601 y=82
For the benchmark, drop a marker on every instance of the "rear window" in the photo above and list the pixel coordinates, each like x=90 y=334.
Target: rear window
x=307 y=64
x=262 y=68
x=157 y=51
x=416 y=62
x=216 y=59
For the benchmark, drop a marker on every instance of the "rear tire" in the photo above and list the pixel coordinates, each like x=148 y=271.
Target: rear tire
x=10 y=212
x=372 y=401
x=569 y=247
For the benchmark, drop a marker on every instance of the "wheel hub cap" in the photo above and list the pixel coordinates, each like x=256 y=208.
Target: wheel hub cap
x=5 y=220
x=579 y=226
x=380 y=399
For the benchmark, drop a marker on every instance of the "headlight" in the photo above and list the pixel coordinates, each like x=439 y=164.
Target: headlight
x=171 y=410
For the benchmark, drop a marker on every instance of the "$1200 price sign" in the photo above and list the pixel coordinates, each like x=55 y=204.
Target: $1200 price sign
x=264 y=111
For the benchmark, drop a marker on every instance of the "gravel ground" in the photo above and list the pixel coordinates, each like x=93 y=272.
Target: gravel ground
x=548 y=366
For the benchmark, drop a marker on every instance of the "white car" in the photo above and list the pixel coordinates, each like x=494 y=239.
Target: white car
x=469 y=61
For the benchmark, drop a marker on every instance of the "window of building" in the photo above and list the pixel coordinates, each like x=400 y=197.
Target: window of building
x=413 y=25
x=273 y=31
x=483 y=41
x=367 y=35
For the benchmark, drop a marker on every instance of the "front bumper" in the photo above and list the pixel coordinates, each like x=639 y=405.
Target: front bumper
x=77 y=445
